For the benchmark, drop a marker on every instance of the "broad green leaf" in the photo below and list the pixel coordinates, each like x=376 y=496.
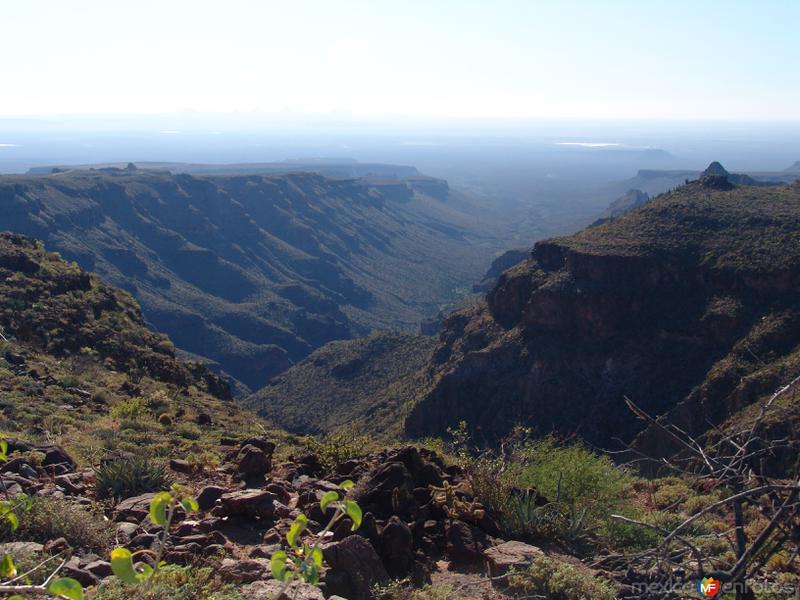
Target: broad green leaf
x=122 y=565
x=297 y=528
x=316 y=556
x=346 y=485
x=190 y=505
x=327 y=499
x=278 y=566
x=8 y=569
x=3 y=450
x=15 y=597
x=353 y=511
x=66 y=588
x=158 y=508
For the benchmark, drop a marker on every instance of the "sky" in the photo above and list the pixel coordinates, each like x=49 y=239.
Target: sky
x=613 y=59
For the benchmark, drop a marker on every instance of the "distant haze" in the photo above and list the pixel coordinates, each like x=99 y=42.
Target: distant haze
x=676 y=59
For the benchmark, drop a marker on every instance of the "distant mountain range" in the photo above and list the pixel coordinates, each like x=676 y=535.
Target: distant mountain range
x=655 y=181
x=253 y=272
x=331 y=167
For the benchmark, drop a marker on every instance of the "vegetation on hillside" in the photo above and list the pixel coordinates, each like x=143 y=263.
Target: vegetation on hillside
x=253 y=272
x=364 y=384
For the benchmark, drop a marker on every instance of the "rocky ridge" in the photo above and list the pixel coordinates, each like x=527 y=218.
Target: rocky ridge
x=649 y=306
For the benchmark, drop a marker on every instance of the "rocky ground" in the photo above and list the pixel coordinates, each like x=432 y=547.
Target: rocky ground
x=420 y=523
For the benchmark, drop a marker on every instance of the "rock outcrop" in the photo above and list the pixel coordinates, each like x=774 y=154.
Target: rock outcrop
x=644 y=307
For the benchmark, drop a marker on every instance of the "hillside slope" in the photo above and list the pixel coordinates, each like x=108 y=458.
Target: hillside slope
x=254 y=272
x=679 y=299
x=364 y=383
x=79 y=367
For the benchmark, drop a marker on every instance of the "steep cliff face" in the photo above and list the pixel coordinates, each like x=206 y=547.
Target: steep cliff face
x=253 y=272
x=645 y=306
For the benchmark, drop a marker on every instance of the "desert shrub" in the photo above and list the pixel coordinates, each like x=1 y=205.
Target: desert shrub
x=556 y=580
x=130 y=409
x=629 y=537
x=543 y=489
x=173 y=583
x=165 y=420
x=337 y=448
x=188 y=431
x=671 y=494
x=123 y=478
x=404 y=590
x=70 y=381
x=694 y=504
x=571 y=474
x=158 y=402
x=43 y=519
x=203 y=461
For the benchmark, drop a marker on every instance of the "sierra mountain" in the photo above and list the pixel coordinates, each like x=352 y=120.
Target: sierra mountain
x=253 y=272
x=687 y=304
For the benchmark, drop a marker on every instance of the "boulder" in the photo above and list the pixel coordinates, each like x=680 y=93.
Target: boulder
x=254 y=504
x=396 y=545
x=355 y=568
x=243 y=571
x=252 y=462
x=209 y=495
x=508 y=555
x=99 y=568
x=466 y=543
x=180 y=466
x=133 y=509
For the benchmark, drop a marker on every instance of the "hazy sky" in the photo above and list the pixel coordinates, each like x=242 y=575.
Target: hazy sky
x=490 y=58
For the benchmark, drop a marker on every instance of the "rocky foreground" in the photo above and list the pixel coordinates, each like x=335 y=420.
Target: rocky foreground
x=419 y=519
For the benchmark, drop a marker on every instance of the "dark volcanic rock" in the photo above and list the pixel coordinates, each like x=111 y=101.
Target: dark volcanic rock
x=355 y=568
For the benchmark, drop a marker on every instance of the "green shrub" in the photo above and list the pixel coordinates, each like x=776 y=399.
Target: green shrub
x=630 y=537
x=123 y=478
x=130 y=409
x=188 y=431
x=43 y=519
x=671 y=494
x=174 y=583
x=337 y=448
x=570 y=474
x=581 y=489
x=556 y=580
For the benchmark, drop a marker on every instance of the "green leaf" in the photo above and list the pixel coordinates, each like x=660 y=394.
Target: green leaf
x=310 y=573
x=15 y=597
x=278 y=566
x=8 y=569
x=158 y=508
x=145 y=570
x=327 y=499
x=353 y=511
x=3 y=450
x=66 y=588
x=190 y=505
x=12 y=520
x=297 y=528
x=316 y=556
x=122 y=566
x=346 y=485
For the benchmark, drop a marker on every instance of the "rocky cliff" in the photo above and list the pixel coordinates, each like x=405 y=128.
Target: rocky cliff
x=253 y=272
x=649 y=306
